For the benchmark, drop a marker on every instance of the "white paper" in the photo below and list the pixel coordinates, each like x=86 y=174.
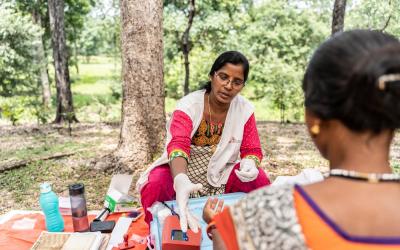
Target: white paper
x=117 y=235
x=121 y=182
x=24 y=224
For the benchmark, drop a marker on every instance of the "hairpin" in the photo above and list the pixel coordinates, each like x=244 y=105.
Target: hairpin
x=383 y=79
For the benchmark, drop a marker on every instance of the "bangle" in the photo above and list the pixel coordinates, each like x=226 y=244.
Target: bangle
x=211 y=226
x=178 y=153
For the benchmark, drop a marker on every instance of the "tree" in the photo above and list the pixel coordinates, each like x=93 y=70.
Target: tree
x=143 y=115
x=186 y=46
x=339 y=11
x=41 y=56
x=18 y=39
x=65 y=108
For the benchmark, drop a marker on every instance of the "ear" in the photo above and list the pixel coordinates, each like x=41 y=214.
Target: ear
x=311 y=119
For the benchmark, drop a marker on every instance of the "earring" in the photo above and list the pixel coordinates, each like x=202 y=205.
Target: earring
x=315 y=129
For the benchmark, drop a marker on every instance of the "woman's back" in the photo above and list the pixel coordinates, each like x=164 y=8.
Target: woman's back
x=359 y=208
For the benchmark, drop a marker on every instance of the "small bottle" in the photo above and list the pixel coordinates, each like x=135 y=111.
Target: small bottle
x=78 y=207
x=49 y=203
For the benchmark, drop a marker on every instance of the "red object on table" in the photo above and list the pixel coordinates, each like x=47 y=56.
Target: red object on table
x=127 y=244
x=24 y=239
x=171 y=224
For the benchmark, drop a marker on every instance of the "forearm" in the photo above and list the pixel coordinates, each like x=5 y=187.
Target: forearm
x=218 y=243
x=251 y=146
x=178 y=165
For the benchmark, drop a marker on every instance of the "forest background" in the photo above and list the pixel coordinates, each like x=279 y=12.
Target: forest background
x=277 y=36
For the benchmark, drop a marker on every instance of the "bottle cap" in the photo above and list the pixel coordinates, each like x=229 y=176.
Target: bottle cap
x=45 y=187
x=76 y=189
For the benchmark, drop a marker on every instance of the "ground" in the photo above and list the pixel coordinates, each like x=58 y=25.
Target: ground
x=287 y=149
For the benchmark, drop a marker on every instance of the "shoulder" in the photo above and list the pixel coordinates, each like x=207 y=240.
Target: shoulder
x=243 y=106
x=270 y=219
x=192 y=102
x=267 y=196
x=195 y=97
x=242 y=101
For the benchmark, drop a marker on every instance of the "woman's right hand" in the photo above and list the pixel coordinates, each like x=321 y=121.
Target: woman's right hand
x=183 y=188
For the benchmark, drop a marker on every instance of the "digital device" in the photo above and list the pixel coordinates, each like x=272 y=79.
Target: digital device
x=102 y=226
x=174 y=239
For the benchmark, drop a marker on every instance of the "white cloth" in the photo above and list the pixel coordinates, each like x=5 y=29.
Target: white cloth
x=227 y=151
x=307 y=176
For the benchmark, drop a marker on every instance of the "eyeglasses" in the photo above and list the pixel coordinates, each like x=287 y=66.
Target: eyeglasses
x=224 y=78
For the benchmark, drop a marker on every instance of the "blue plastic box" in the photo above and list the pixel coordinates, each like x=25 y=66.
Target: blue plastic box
x=196 y=206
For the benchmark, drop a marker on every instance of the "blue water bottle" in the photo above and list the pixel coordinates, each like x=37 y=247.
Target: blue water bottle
x=49 y=204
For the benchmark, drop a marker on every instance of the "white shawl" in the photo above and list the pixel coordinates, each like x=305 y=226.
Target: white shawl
x=228 y=149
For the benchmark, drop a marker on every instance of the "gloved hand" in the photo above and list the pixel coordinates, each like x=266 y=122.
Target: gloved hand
x=183 y=187
x=248 y=170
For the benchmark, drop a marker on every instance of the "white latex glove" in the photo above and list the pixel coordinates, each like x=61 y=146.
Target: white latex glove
x=183 y=187
x=248 y=170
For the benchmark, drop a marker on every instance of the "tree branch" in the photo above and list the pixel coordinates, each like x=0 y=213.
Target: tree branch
x=388 y=20
x=22 y=163
x=339 y=11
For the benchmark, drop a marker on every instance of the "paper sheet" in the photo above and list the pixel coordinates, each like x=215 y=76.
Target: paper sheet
x=117 y=235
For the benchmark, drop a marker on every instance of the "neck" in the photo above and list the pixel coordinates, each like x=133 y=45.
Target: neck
x=216 y=106
x=367 y=154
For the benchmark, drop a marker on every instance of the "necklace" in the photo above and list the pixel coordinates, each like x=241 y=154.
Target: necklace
x=369 y=177
x=213 y=147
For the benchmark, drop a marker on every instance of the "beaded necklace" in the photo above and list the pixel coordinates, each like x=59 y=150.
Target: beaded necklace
x=369 y=177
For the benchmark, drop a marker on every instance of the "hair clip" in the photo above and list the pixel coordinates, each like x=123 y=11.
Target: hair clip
x=382 y=80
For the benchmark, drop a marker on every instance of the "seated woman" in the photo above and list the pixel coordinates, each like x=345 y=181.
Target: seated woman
x=352 y=100
x=212 y=140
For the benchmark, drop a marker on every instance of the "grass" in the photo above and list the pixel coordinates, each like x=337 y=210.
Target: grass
x=40 y=149
x=19 y=187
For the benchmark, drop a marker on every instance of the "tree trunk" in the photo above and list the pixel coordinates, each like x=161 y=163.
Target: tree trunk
x=42 y=60
x=339 y=11
x=143 y=116
x=76 y=62
x=186 y=45
x=65 y=108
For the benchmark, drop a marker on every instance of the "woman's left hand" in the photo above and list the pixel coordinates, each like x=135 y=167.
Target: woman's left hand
x=248 y=170
x=211 y=208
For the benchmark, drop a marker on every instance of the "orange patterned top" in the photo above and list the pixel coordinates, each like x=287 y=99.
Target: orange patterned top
x=319 y=231
x=207 y=134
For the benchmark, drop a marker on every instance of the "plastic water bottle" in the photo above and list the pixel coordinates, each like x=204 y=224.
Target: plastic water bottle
x=49 y=204
x=78 y=207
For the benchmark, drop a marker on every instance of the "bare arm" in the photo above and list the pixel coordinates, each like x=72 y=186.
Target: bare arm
x=218 y=243
x=178 y=165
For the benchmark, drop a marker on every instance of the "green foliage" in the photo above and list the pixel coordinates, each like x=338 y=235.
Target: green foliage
x=39 y=111
x=101 y=31
x=12 y=111
x=368 y=14
x=18 y=36
x=23 y=108
x=278 y=37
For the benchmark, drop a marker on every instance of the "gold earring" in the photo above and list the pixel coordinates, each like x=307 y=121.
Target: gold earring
x=315 y=129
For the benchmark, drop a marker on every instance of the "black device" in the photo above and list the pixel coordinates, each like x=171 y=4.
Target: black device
x=102 y=226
